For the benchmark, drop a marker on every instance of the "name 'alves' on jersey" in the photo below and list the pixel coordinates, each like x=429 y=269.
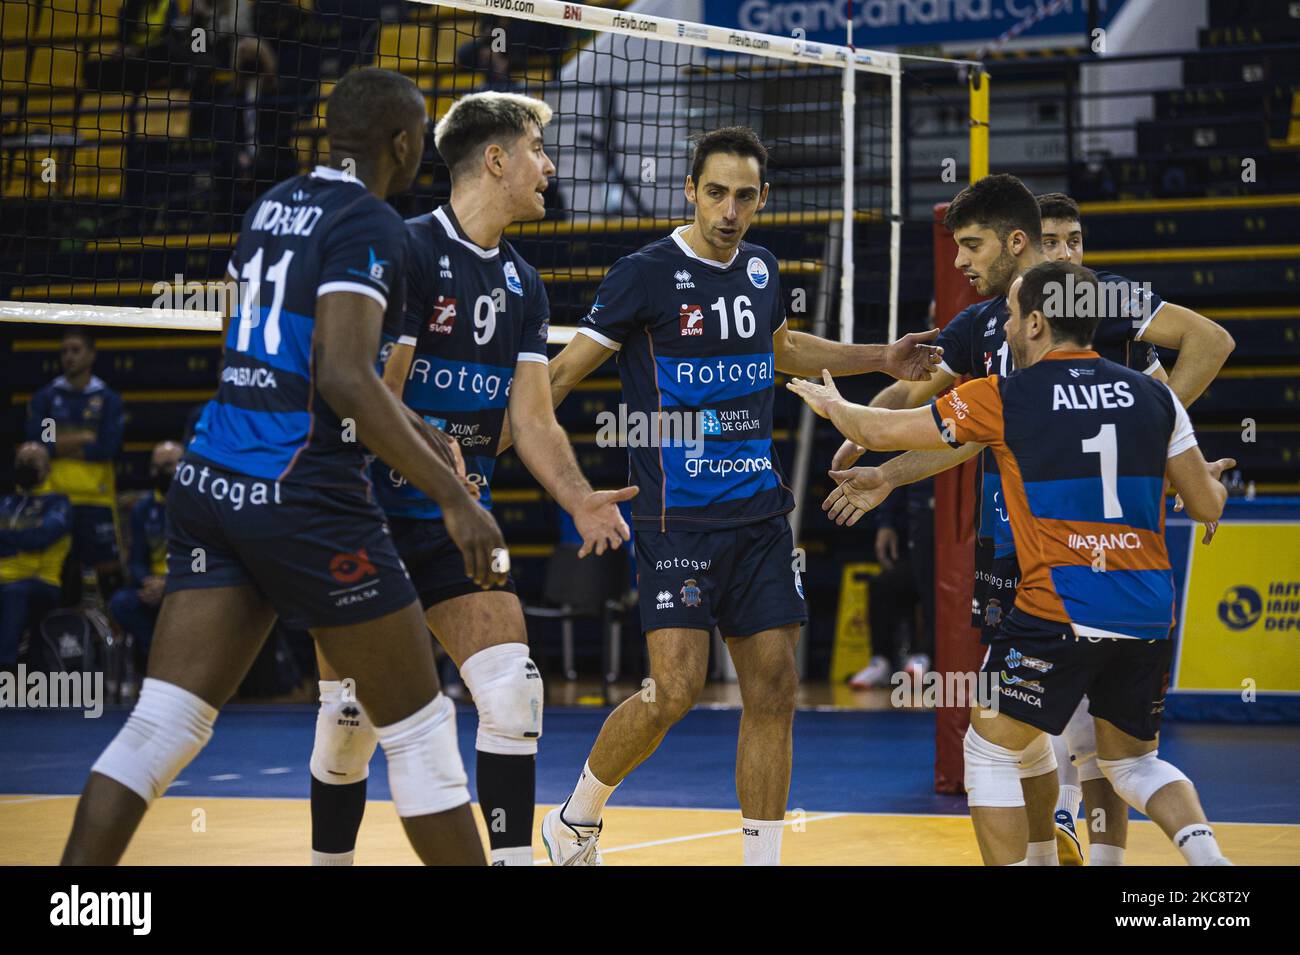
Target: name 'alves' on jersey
x=1082 y=444
x=474 y=314
x=695 y=339
x=975 y=343
x=308 y=236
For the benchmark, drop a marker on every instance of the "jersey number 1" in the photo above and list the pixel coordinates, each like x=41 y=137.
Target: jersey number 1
x=1104 y=445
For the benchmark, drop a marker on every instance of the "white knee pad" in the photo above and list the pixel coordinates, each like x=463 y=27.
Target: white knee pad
x=1038 y=758
x=992 y=773
x=1081 y=737
x=345 y=739
x=507 y=690
x=1139 y=778
x=425 y=772
x=166 y=729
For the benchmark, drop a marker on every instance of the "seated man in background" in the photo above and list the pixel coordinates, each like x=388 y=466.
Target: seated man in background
x=34 y=540
x=80 y=421
x=135 y=606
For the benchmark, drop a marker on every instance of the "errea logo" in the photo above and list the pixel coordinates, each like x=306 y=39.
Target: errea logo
x=683 y=279
x=992 y=326
x=665 y=600
x=444 y=267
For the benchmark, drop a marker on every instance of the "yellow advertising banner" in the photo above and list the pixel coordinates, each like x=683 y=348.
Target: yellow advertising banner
x=1241 y=622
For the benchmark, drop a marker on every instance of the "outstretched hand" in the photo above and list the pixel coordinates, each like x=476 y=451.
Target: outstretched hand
x=911 y=359
x=858 y=490
x=599 y=521
x=819 y=397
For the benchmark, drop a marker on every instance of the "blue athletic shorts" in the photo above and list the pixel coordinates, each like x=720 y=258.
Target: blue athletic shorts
x=323 y=557
x=741 y=579
x=435 y=563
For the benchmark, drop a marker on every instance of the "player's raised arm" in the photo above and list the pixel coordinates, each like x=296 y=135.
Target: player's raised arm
x=1203 y=346
x=859 y=490
x=877 y=428
x=346 y=339
x=908 y=359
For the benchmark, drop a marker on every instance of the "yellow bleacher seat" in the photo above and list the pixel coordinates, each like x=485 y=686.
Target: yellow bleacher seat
x=13 y=68
x=55 y=66
x=403 y=45
x=17 y=20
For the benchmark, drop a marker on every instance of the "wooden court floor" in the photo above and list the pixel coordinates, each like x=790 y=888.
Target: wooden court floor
x=242 y=831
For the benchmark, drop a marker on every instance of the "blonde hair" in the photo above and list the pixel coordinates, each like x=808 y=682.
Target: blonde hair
x=475 y=120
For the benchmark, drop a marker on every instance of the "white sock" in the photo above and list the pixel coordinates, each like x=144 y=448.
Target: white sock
x=1069 y=800
x=1198 y=845
x=1021 y=862
x=1042 y=853
x=1101 y=854
x=588 y=799
x=332 y=858
x=762 y=840
x=515 y=855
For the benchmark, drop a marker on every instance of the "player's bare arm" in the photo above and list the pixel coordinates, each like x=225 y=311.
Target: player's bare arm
x=877 y=428
x=859 y=490
x=908 y=359
x=900 y=394
x=576 y=361
x=1203 y=346
x=347 y=332
x=1197 y=482
x=545 y=450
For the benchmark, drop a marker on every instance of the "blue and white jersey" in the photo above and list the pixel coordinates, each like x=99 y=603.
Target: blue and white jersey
x=306 y=237
x=975 y=344
x=473 y=314
x=694 y=338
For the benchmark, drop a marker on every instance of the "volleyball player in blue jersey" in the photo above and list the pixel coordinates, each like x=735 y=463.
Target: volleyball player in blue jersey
x=271 y=512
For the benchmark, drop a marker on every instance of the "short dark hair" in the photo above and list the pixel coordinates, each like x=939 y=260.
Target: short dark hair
x=1057 y=205
x=1001 y=203
x=1037 y=294
x=83 y=333
x=368 y=106
x=737 y=140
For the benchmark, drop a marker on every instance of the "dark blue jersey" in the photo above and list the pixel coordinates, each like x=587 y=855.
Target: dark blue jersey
x=306 y=237
x=975 y=344
x=474 y=314
x=695 y=341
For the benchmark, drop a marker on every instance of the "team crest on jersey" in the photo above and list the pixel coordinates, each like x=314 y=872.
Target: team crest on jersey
x=757 y=272
x=691 y=319
x=444 y=267
x=691 y=594
x=512 y=278
x=683 y=279
x=443 y=319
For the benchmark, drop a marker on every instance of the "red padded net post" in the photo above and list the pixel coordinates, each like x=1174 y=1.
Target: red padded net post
x=956 y=643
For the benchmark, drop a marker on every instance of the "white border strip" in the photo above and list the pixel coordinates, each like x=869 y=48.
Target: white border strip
x=113 y=316
x=686 y=32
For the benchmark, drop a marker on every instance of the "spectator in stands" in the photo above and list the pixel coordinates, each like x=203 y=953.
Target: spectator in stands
x=135 y=606
x=34 y=540
x=80 y=421
x=150 y=52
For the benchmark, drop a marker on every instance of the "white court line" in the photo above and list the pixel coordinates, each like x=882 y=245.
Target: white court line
x=31 y=799
x=699 y=835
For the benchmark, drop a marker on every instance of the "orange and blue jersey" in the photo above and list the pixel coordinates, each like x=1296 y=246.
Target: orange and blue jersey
x=1082 y=445
x=975 y=343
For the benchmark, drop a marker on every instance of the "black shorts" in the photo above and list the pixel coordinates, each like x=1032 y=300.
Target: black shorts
x=435 y=563
x=323 y=557
x=741 y=579
x=1041 y=680
x=996 y=580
